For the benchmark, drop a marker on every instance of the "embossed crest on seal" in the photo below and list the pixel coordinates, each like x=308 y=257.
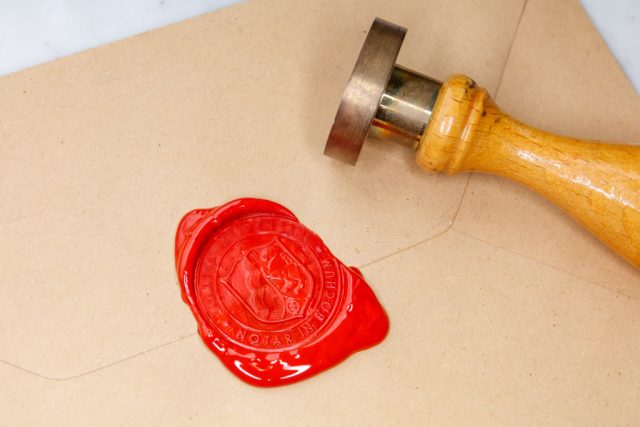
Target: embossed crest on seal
x=270 y=299
x=271 y=283
x=265 y=290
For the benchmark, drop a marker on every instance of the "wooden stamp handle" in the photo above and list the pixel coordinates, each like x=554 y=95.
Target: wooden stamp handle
x=597 y=184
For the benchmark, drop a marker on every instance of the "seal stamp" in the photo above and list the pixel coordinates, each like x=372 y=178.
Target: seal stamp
x=270 y=299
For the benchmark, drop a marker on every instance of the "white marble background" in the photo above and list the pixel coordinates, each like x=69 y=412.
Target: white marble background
x=619 y=24
x=37 y=31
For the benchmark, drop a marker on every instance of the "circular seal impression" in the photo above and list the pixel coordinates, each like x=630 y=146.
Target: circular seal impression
x=270 y=299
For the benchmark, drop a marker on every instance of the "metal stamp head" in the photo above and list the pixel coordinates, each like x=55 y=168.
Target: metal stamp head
x=395 y=100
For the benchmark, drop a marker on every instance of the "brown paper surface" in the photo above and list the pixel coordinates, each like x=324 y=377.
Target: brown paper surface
x=502 y=310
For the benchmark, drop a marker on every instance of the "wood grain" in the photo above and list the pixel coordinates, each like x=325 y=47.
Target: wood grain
x=596 y=183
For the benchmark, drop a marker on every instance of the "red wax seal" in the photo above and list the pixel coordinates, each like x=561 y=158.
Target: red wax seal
x=270 y=299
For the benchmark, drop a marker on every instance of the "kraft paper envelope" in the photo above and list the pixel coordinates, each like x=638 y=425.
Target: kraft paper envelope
x=502 y=310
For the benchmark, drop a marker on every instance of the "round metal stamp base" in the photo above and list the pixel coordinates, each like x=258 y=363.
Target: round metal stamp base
x=364 y=91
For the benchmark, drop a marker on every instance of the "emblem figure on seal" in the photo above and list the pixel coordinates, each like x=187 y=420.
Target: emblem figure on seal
x=271 y=283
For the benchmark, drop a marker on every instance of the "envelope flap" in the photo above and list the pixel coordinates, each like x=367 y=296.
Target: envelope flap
x=104 y=151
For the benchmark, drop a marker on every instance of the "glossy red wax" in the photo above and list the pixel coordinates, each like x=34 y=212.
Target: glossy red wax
x=270 y=299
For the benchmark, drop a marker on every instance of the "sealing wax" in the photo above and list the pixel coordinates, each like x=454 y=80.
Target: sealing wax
x=270 y=299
